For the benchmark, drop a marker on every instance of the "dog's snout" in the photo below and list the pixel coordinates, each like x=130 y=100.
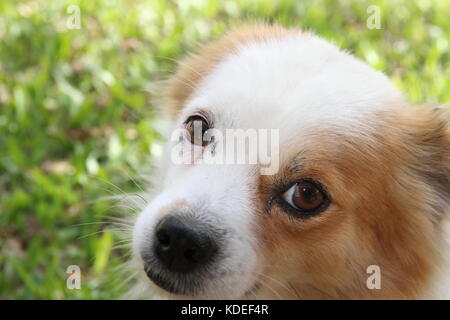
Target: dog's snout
x=183 y=246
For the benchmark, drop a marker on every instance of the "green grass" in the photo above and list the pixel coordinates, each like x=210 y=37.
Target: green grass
x=76 y=112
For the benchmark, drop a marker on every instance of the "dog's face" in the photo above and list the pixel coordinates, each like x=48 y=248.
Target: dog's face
x=357 y=179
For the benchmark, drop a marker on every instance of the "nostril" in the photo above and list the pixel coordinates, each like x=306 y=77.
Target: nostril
x=164 y=238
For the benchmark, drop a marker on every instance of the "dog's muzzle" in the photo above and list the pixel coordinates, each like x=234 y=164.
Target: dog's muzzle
x=182 y=250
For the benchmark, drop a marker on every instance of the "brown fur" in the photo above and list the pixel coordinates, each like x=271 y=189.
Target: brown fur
x=384 y=188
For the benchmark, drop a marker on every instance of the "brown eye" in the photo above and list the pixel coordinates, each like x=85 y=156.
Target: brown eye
x=306 y=197
x=196 y=127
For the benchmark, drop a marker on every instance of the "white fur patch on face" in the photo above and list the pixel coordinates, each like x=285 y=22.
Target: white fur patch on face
x=221 y=197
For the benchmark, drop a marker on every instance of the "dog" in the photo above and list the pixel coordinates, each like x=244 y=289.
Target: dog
x=357 y=207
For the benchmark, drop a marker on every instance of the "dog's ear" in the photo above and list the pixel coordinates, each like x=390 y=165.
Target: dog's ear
x=425 y=137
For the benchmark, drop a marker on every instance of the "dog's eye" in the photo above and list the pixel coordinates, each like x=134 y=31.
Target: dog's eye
x=196 y=127
x=306 y=197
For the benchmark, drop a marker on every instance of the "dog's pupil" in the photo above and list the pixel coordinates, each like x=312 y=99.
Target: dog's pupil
x=307 y=196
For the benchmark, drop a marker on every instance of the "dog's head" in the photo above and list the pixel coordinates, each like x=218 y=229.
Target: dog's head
x=356 y=178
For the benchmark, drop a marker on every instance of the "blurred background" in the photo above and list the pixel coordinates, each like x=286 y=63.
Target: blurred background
x=77 y=121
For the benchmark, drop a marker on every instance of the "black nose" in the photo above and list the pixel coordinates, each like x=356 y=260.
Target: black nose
x=182 y=245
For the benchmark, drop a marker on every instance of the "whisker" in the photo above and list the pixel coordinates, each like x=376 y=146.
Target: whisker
x=277 y=281
x=135 y=183
x=270 y=288
x=123 y=192
x=92 y=234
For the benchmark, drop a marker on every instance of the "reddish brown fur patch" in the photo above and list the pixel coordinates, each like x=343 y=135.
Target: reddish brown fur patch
x=194 y=68
x=385 y=187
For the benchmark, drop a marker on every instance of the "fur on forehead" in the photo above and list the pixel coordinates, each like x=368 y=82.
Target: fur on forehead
x=284 y=72
x=192 y=70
